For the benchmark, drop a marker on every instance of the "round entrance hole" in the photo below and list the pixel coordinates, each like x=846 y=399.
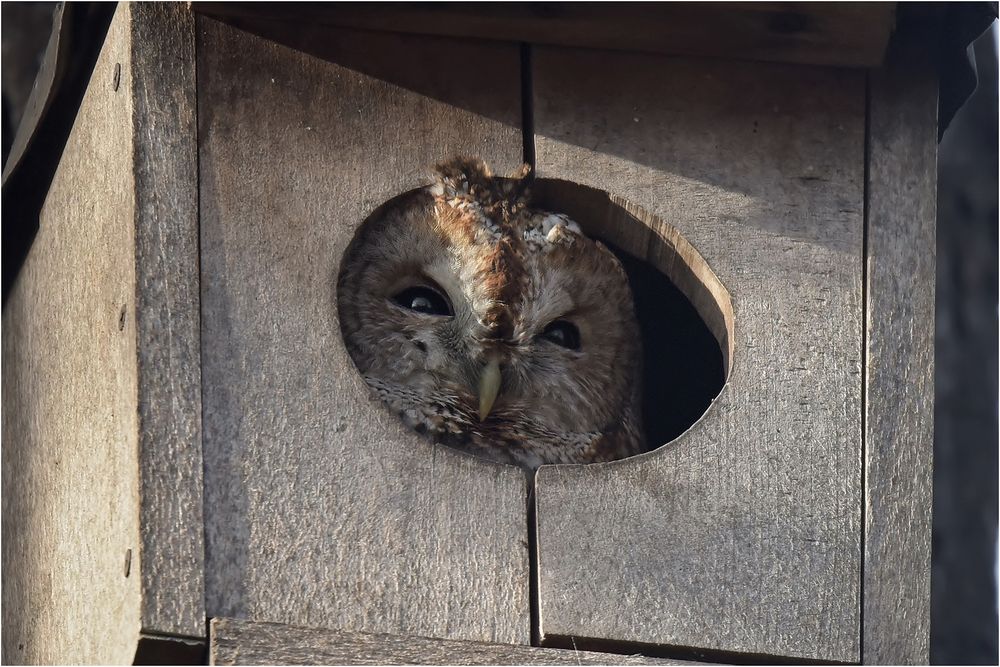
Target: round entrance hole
x=507 y=341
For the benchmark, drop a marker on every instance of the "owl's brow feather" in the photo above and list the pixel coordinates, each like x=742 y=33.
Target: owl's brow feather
x=487 y=220
x=496 y=249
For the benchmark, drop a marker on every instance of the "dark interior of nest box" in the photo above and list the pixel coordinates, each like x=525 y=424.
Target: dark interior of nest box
x=684 y=312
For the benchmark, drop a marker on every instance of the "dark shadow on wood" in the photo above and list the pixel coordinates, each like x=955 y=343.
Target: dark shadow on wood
x=838 y=34
x=415 y=62
x=666 y=651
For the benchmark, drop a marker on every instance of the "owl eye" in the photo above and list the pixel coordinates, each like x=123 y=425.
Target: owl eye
x=563 y=333
x=423 y=300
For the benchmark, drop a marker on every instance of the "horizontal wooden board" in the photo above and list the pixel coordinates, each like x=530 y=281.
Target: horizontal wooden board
x=822 y=33
x=744 y=534
x=321 y=508
x=235 y=642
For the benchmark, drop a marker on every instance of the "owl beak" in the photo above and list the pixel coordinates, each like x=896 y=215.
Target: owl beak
x=489 y=387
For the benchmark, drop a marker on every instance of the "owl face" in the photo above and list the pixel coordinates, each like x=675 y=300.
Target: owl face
x=493 y=327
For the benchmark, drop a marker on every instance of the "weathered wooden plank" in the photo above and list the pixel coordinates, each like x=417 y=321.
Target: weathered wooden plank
x=853 y=35
x=899 y=373
x=104 y=421
x=70 y=425
x=235 y=642
x=167 y=318
x=743 y=535
x=321 y=509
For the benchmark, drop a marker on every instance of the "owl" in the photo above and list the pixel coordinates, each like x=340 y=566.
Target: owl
x=493 y=327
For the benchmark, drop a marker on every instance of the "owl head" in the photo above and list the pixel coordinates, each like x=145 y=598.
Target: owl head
x=494 y=327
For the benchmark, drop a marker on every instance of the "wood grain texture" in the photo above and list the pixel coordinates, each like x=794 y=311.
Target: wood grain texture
x=899 y=378
x=70 y=448
x=742 y=535
x=822 y=33
x=235 y=642
x=167 y=318
x=321 y=509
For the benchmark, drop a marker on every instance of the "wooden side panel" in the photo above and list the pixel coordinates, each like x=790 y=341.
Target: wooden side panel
x=167 y=318
x=321 y=509
x=70 y=428
x=744 y=534
x=899 y=434
x=235 y=642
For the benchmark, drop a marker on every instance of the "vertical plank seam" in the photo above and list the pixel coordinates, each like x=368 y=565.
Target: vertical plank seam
x=865 y=277
x=196 y=24
x=528 y=148
x=534 y=602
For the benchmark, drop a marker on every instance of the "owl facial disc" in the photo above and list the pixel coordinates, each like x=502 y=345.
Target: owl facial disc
x=492 y=326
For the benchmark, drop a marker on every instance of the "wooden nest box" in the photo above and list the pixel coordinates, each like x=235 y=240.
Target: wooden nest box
x=186 y=439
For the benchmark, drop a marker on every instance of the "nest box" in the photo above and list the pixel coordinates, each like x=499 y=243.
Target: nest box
x=187 y=440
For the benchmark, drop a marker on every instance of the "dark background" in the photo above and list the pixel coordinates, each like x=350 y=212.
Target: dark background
x=963 y=584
